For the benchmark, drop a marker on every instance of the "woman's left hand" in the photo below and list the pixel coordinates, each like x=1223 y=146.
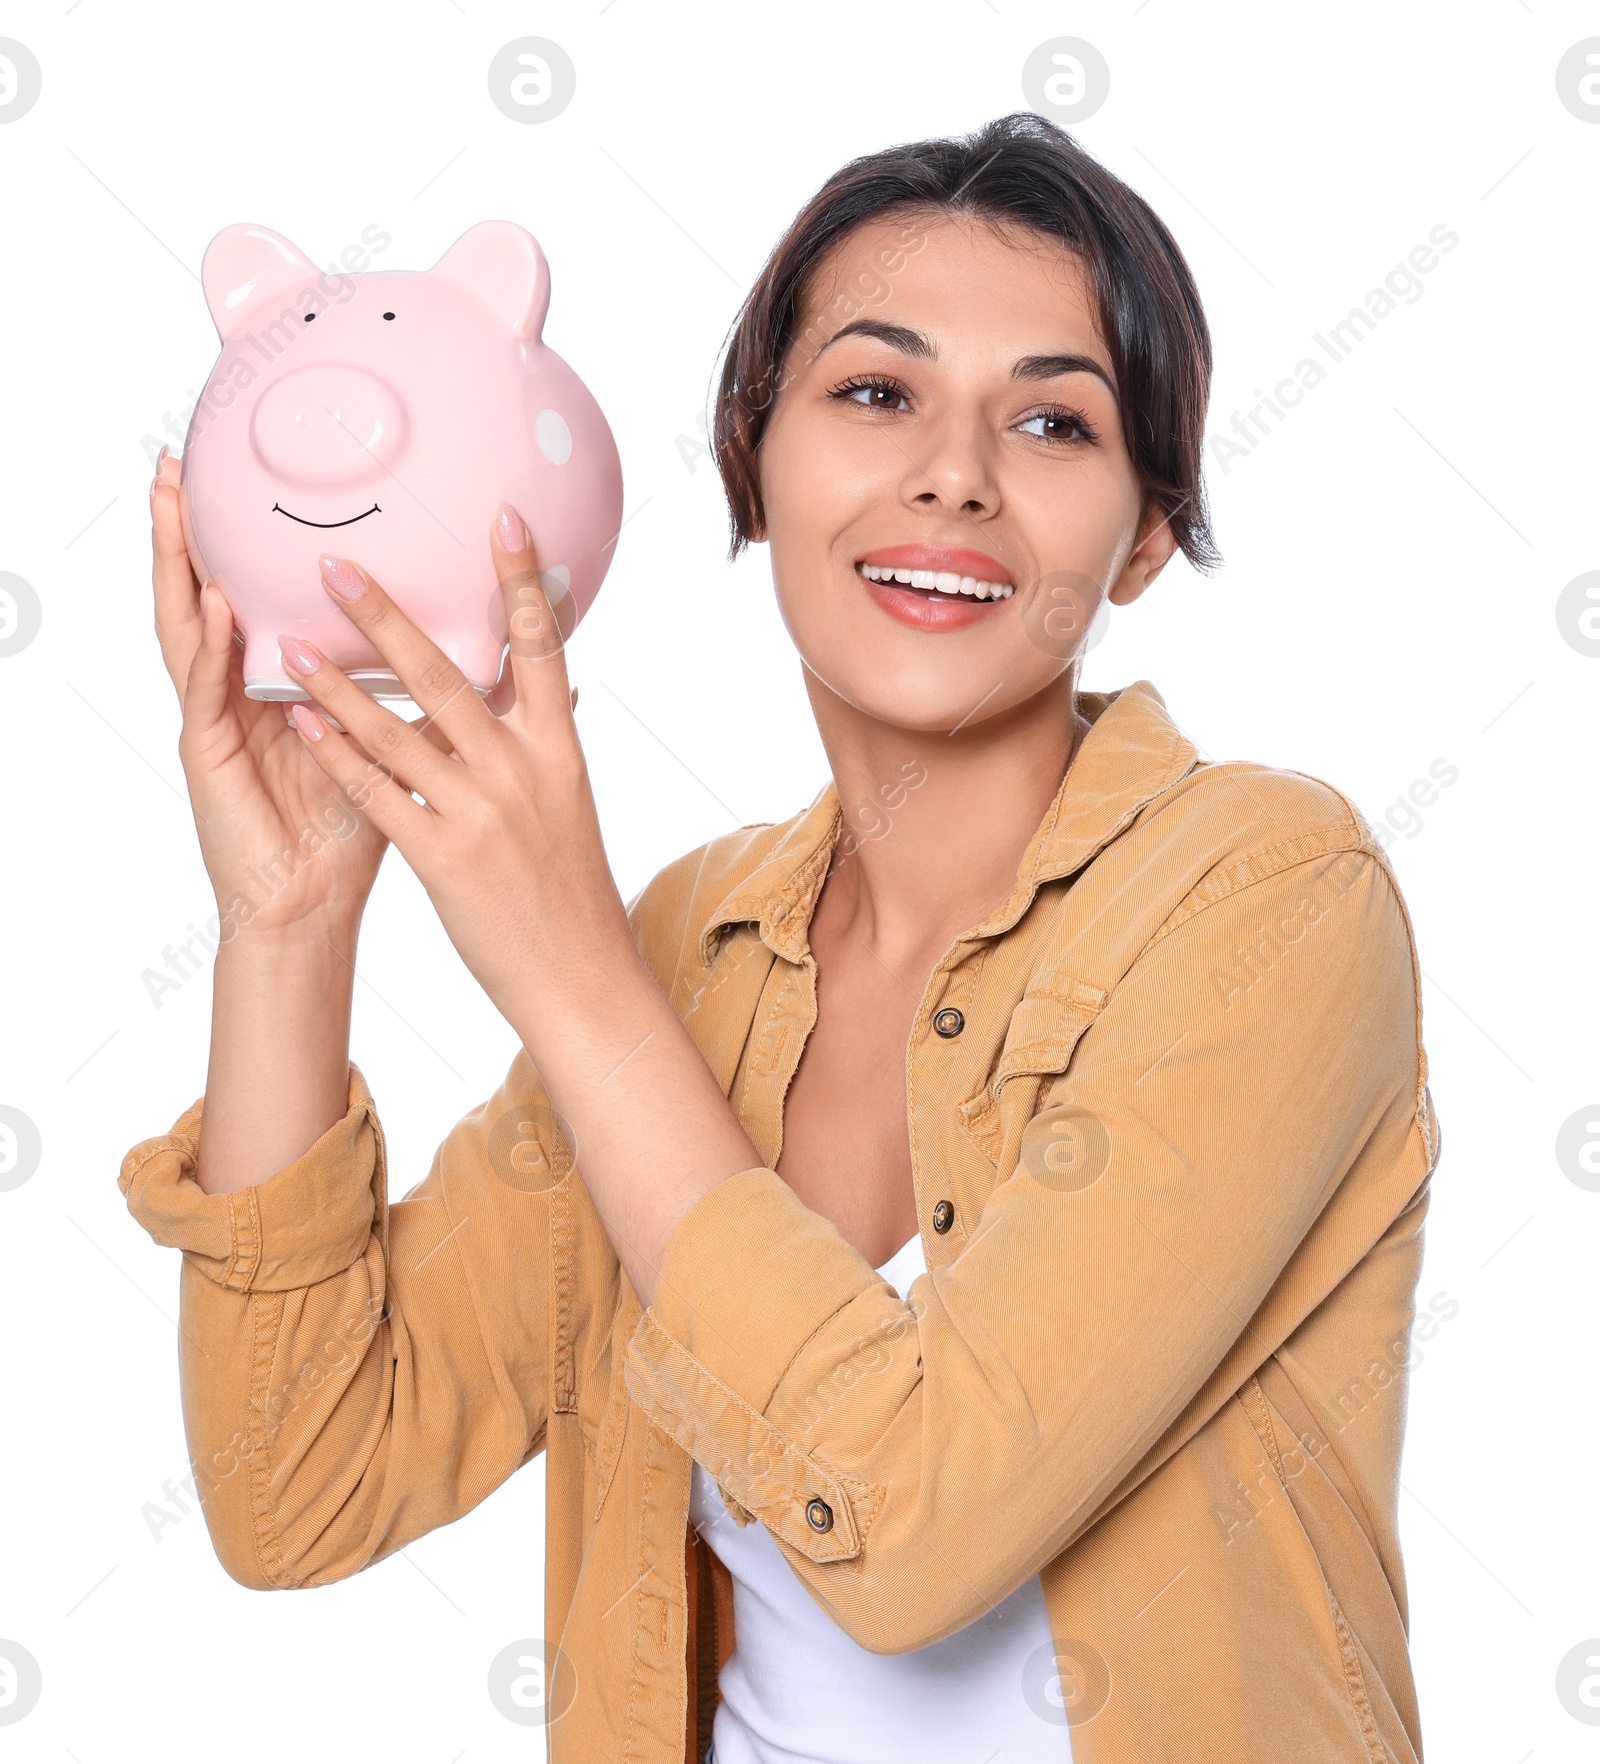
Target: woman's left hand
x=506 y=839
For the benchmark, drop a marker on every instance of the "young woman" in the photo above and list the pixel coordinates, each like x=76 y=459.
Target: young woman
x=956 y=1247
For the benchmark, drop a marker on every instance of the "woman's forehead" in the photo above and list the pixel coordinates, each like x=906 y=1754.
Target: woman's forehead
x=909 y=283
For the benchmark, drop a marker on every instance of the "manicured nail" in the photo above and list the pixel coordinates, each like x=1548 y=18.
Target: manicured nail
x=300 y=656
x=342 y=577
x=512 y=534
x=306 y=721
x=165 y=450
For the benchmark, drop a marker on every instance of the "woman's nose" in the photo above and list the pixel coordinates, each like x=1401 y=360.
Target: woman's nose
x=328 y=425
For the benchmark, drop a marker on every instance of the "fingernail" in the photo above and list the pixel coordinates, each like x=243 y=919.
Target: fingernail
x=342 y=577
x=300 y=656
x=165 y=450
x=306 y=721
x=513 y=535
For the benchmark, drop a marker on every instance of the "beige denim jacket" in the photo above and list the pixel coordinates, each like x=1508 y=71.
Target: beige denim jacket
x=1171 y=1162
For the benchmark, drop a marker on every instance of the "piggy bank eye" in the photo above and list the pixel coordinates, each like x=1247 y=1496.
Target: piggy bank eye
x=309 y=317
x=388 y=315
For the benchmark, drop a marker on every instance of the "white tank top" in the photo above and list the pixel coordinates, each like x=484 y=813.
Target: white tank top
x=798 y=1690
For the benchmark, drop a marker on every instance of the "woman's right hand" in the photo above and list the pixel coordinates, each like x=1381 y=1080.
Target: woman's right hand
x=286 y=849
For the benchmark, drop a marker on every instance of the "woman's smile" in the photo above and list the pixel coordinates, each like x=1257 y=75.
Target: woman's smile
x=935 y=587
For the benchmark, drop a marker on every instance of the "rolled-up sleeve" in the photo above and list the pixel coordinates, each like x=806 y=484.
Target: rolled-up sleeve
x=308 y=1222
x=919 y=1459
x=357 y=1372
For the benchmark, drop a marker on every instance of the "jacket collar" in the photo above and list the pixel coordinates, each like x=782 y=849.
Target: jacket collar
x=1131 y=754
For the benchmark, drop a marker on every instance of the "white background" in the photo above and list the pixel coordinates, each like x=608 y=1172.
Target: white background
x=1394 y=554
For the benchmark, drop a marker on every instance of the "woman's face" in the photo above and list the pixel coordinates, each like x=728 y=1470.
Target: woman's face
x=947 y=407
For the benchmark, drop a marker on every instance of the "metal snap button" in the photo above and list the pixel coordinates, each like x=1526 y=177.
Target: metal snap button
x=949 y=1022
x=819 y=1515
x=944 y=1216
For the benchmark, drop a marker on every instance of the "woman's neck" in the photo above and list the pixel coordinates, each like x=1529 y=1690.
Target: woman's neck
x=935 y=824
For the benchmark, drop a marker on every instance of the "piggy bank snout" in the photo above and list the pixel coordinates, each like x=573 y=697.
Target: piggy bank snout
x=328 y=425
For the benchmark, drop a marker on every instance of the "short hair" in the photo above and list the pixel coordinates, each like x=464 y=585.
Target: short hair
x=1023 y=170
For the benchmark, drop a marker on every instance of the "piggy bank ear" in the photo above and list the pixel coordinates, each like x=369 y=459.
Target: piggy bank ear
x=502 y=265
x=244 y=267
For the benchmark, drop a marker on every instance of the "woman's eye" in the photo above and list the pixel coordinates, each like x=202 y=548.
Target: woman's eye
x=1060 y=425
x=879 y=394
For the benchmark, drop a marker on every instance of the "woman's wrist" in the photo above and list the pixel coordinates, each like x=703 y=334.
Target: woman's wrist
x=324 y=940
x=577 y=1011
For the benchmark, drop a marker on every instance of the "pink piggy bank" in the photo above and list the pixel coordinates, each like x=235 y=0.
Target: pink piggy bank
x=383 y=416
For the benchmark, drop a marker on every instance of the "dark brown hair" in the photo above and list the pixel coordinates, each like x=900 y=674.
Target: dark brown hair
x=1020 y=170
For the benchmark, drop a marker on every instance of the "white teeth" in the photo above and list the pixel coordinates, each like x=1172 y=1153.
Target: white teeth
x=942 y=581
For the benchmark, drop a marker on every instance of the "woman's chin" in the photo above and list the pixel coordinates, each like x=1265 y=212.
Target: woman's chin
x=922 y=698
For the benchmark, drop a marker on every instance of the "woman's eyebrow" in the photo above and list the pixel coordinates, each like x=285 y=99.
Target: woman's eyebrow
x=900 y=337
x=1046 y=367
x=1028 y=367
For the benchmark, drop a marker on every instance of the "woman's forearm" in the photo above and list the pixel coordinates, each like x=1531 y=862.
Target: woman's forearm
x=650 y=1126
x=280 y=1051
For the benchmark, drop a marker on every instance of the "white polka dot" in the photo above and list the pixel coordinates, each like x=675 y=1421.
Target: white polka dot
x=554 y=437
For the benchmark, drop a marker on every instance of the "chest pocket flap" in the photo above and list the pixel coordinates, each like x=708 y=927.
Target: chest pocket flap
x=1046 y=1024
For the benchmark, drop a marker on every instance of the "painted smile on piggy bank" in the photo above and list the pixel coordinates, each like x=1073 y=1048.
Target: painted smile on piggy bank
x=395 y=409
x=278 y=508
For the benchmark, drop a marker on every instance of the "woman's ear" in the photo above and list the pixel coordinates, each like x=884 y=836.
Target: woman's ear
x=1147 y=559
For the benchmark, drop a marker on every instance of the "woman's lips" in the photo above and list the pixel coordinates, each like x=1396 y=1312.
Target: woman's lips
x=926 y=609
